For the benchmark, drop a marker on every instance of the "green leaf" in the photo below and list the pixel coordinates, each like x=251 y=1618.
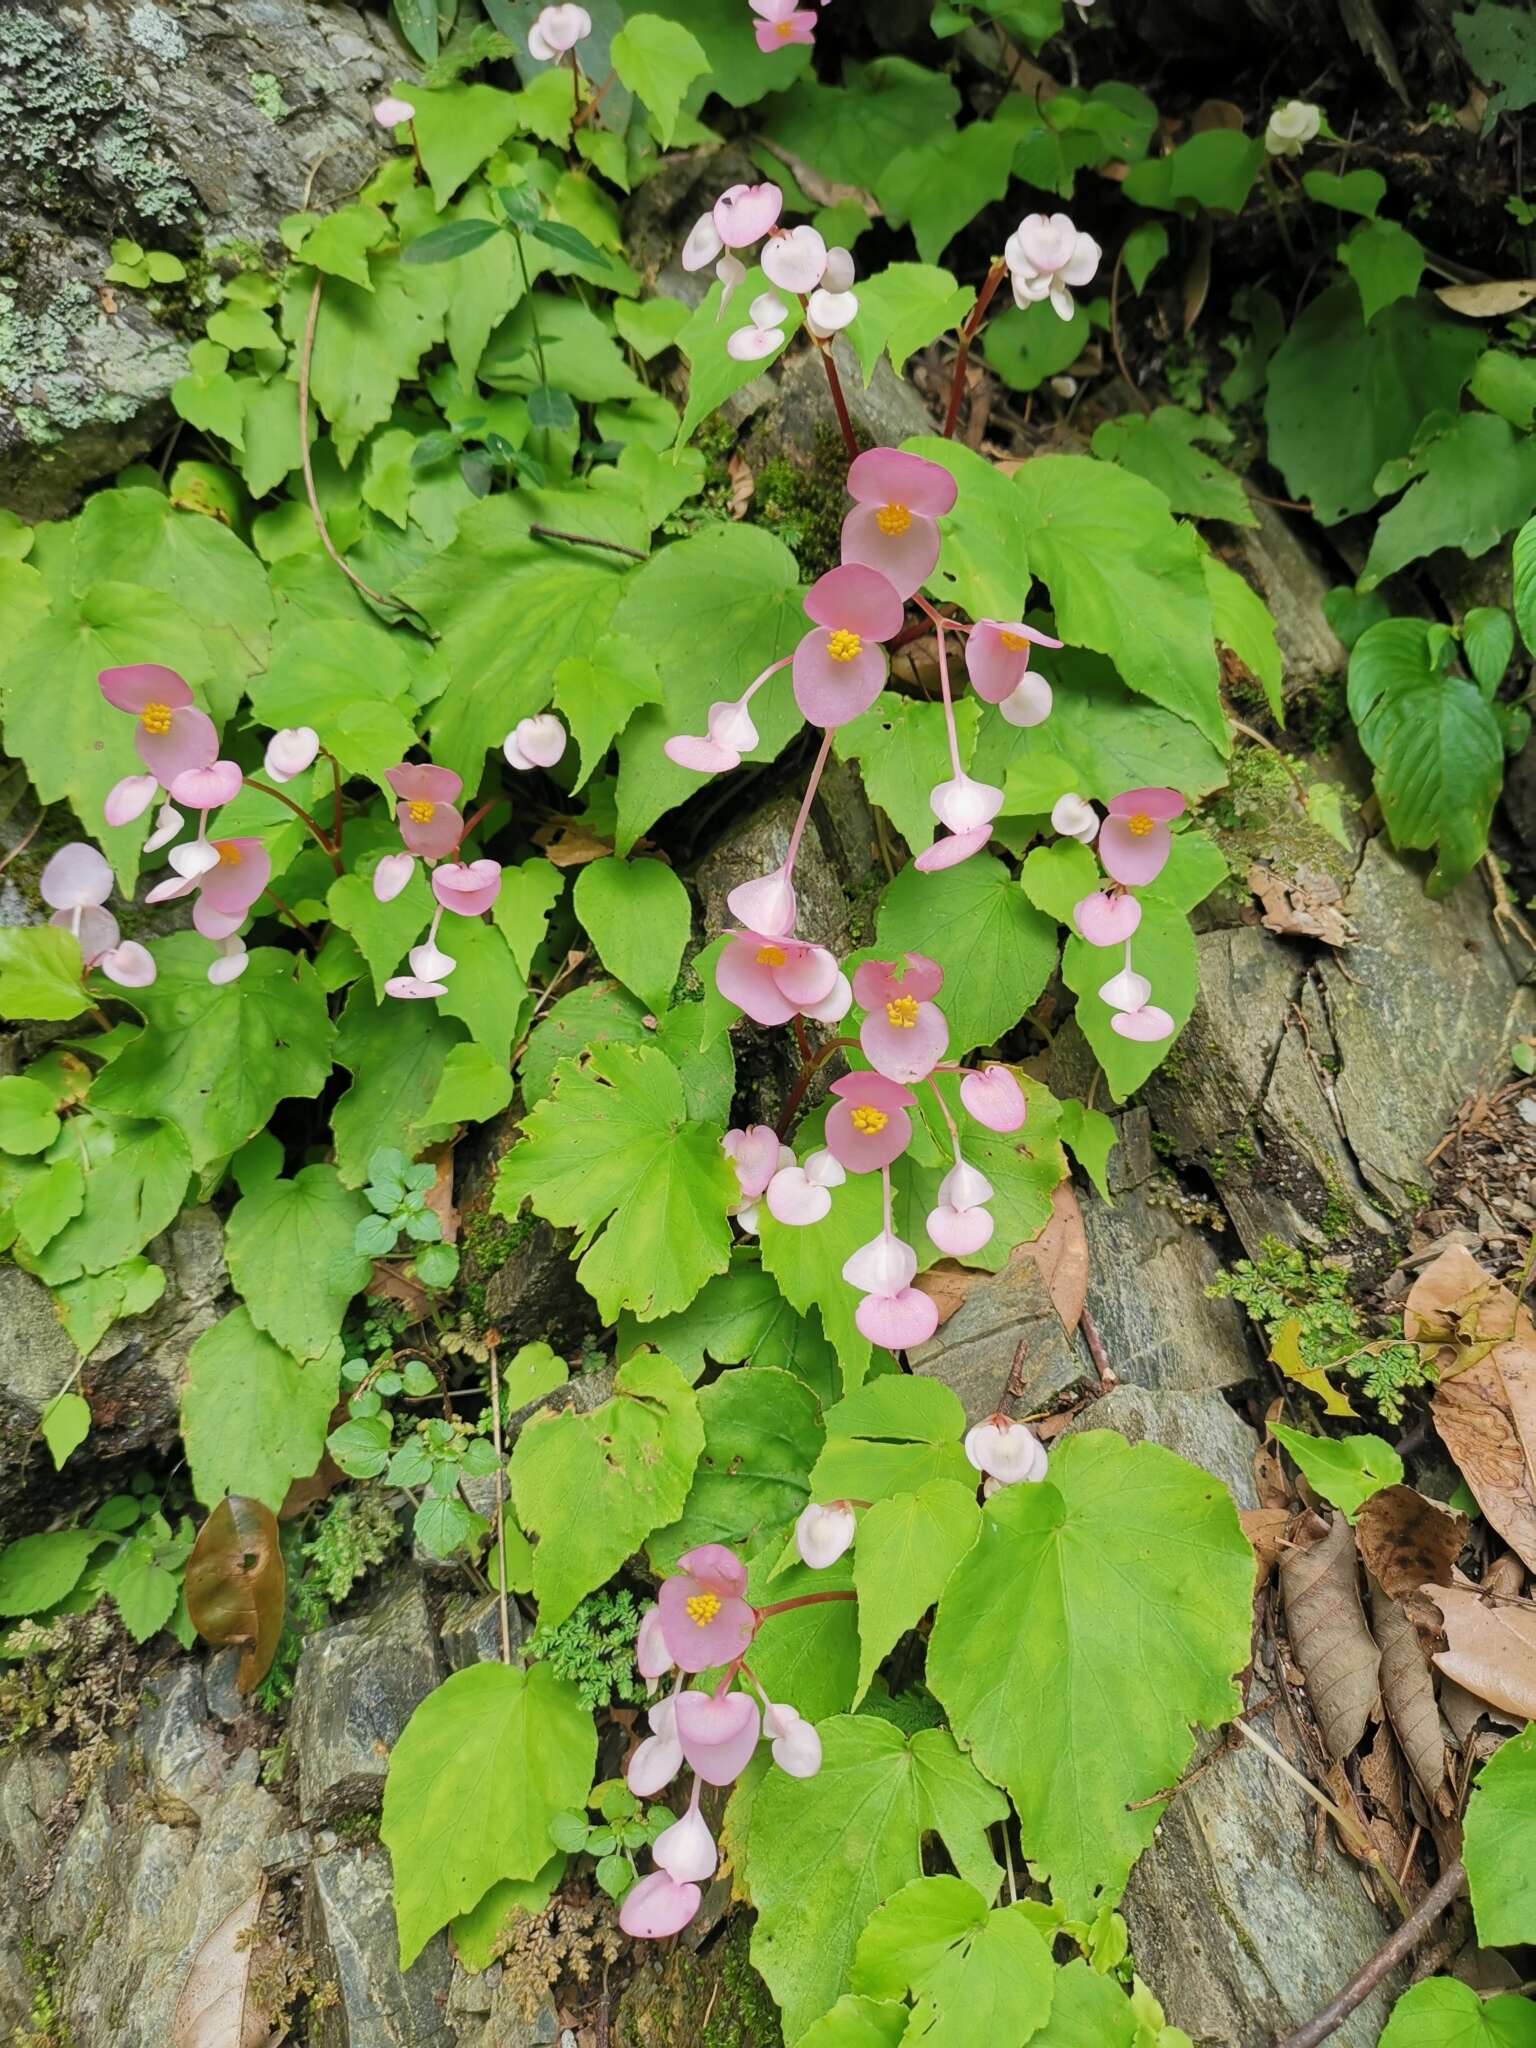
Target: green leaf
x=475 y=1087
x=65 y=1424
x=1352 y=192
x=531 y=1373
x=37 y=1571
x=823 y=1852
x=598 y=694
x=367 y=343
x=1165 y=951
x=1144 y=248
x=901 y=309
x=457 y=129
x=40 y=976
x=1434 y=744
x=1241 y=621
x=907 y=1547
x=995 y=948
x=1445 y=2013
x=339 y=243
x=1090 y=2011
x=1488 y=642
x=1215 y=170
x=1346 y=1471
x=1524 y=567
x=487 y=993
x=592 y=1487
x=216 y=1061
x=1027 y=344
x=939 y=183
x=1345 y=398
x=144 y=1593
x=739 y=1318
x=134 y=1176
x=396 y=1054
x=286 y=1242
x=1477 y=481
x=353 y=685
x=847 y=131
x=1500 y=45
x=478 y=1934
x=1162 y=447
x=637 y=915
x=253 y=1419
x=43 y=1203
x=651 y=325
x=858 y=2023
x=893 y=1435
x=529 y=891
x=455 y=239
x=485 y=1763
x=714 y=375
x=1100 y=1615
x=734 y=590
x=658 y=60
x=383 y=931
x=762 y=1434
x=976 y=1974
x=1506 y=384
x=807 y=1264
x=902 y=747
x=984 y=557
x=1500 y=1843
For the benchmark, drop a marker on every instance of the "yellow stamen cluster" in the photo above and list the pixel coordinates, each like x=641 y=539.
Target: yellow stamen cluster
x=893 y=519
x=843 y=645
x=770 y=956
x=783 y=30
x=1013 y=641
x=867 y=1120
x=1140 y=824
x=419 y=811
x=702 y=1609
x=902 y=1012
x=230 y=855
x=156 y=719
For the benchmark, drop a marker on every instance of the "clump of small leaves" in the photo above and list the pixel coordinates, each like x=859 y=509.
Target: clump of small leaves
x=398 y=1191
x=623 y=1827
x=356 y=1531
x=427 y=1453
x=595 y=1649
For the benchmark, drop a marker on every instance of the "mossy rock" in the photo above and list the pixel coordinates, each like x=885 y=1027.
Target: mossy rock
x=714 y=1999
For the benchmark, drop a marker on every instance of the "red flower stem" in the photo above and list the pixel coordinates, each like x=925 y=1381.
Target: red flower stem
x=475 y=816
x=817 y=767
x=337 y=820
x=803 y=1080
x=283 y=911
x=839 y=403
x=968 y=332
x=802 y=1043
x=330 y=852
x=805 y=1600
x=944 y=691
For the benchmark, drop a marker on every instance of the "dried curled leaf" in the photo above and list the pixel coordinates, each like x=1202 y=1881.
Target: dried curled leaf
x=1407 y=1541
x=216 y=2008
x=1408 y=1694
x=236 y=1584
x=1490 y=1648
x=1332 y=1644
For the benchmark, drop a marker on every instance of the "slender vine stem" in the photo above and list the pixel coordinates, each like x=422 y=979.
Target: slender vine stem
x=1451 y=1884
x=337 y=813
x=589 y=540
x=533 y=317
x=803 y=1600
x=332 y=853
x=306 y=353
x=968 y=333
x=501 y=1510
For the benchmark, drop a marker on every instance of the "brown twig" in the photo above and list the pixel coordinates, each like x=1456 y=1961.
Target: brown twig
x=1108 y=1378
x=305 y=354
x=804 y=1077
x=25 y=840
x=589 y=540
x=1392 y=1951
x=968 y=333
x=1131 y=385
x=292 y=916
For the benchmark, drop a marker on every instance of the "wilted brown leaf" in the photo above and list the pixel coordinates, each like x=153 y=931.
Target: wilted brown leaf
x=1265 y=1529
x=236 y=1583
x=1407 y=1541
x=216 y=2009
x=1061 y=1253
x=1308 y=906
x=1333 y=1646
x=1488 y=301
x=1490 y=1648
x=569 y=845
x=439 y=1197
x=743 y=484
x=1408 y=1694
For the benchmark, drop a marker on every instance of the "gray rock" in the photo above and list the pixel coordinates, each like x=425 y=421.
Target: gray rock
x=535 y=1294
x=349 y=1922
x=182 y=1760
x=1197 y=1426
x=33 y=1785
x=226 y=1702
x=973 y=1352
x=470 y=1630
x=1233 y=1924
x=791 y=406
x=356 y=1687
x=510 y=2027
x=757 y=845
x=1148 y=1269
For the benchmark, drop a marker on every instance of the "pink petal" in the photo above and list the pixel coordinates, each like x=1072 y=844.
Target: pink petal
x=965 y=1187
x=190 y=742
x=743 y=214
x=214 y=923
x=732 y=273
x=754 y=344
x=1126 y=990
x=905 y=558
x=95 y=928
x=717 y=1568
x=834 y=1006
x=994 y=1098
x=1147 y=1024
x=129 y=799
x=703 y=757
x=421 y=779
x=1107 y=919
x=654 y=1764
x=168 y=823
x=1075 y=818
x=898 y=1322
x=828 y=313
x=994 y=667
x=1156 y=802
x=766 y=905
x=1029 y=703
x=698 y=1645
x=129 y=965
x=290 y=751
x=1133 y=857
x=730 y=725
x=856 y=599
x=754 y=1153
x=406 y=988
x=703 y=244
x=244 y=870
x=168 y=890
x=900 y=1049
x=959 y=1232
x=797 y=1752
x=888 y=476
x=808 y=976
x=866 y=1151
x=794 y=1198
x=875 y=1088
x=231 y=962
x=686 y=1851
x=429 y=828
x=964 y=804
x=658 y=1906
x=746 y=980
x=951 y=851
x=141 y=683
x=883 y=1266
x=540 y=740
x=795 y=262
x=1006 y=1450
x=204 y=789
x=830 y=692
x=822 y=1535
x=652 y=1657
x=718 y=1735
x=392 y=874
x=468 y=887
x=876 y=982
x=76 y=874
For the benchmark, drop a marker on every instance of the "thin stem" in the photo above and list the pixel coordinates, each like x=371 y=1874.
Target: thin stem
x=944 y=1111
x=804 y=1078
x=940 y=623
x=802 y=1043
x=756 y=683
x=476 y=815
x=35 y=827
x=592 y=540
x=590 y=107
x=797 y=834
x=1114 y=336
x=1444 y=1893
x=305 y=354
x=337 y=817
x=839 y=403
x=885 y=1200
x=293 y=918
x=968 y=333
x=804 y=1600
x=533 y=318
x=501 y=1519
x=330 y=852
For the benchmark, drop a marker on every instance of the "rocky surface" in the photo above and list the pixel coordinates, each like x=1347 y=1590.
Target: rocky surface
x=1199 y=1427
x=349 y=1922
x=973 y=1351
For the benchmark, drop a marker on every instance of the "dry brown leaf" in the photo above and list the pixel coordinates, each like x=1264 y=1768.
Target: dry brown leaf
x=393 y=1283
x=743 y=484
x=1269 y=1480
x=216 y=2009
x=568 y=845
x=946 y=1286
x=439 y=1197
x=1265 y=1529
x=825 y=191
x=1308 y=906
x=1197 y=272
x=1488 y=301
x=1490 y=1648
x=1212 y=115
x=1407 y=1541
x=1061 y=1253
x=236 y=1584
x=1408 y=1694
x=1333 y=1646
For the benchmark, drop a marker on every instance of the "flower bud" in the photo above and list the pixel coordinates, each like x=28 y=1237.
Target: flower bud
x=822 y=1534
x=290 y=752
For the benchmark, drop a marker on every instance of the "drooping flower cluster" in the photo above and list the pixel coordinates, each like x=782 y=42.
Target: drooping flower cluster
x=794 y=260
x=702 y=1621
x=75 y=885
x=1133 y=844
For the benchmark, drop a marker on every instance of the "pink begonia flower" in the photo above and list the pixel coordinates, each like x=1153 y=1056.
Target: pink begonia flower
x=880 y=981
x=1046 y=255
x=658 y=1906
x=205 y=789
x=732 y=275
x=828 y=313
x=1134 y=840
x=129 y=799
x=997 y=657
x=773 y=978
x=130 y=965
x=743 y=214
x=961 y=1225
x=703 y=244
x=1107 y=917
x=730 y=734
x=891 y=527
x=883 y=1266
x=704 y=1618
x=686 y=1851
x=994 y=1098
x=868 y=1126
x=290 y=751
x=653 y=1659
x=766 y=333
x=193 y=858
x=903 y=1036
x=659 y=1758
x=795 y=1744
x=430 y=963
x=840 y=272
x=839 y=666
x=754 y=1152
x=964 y=804
x=1147 y=1025
x=1126 y=990
x=1006 y=1450
x=803 y=1194
x=783 y=23
x=1029 y=703
x=467 y=887
x=766 y=904
x=951 y=849
x=95 y=928
x=557 y=30
x=823 y=1533
x=393 y=113
x=1075 y=818
x=537 y=742
x=897 y=1322
x=718 y=1733
x=392 y=874
x=75 y=876
x=429 y=823
x=168 y=823
x=405 y=988
x=227 y=891
x=231 y=962
x=796 y=261
x=171 y=735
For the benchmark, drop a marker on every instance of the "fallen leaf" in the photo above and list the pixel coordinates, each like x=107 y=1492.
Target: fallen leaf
x=1408 y=1694
x=326 y=1477
x=568 y=845
x=1333 y=1646
x=825 y=191
x=236 y=1583
x=1407 y=1541
x=1211 y=115
x=215 y=2009
x=1488 y=301
x=1490 y=1648
x=1285 y=1352
x=393 y=1283
x=946 y=1286
x=1265 y=1529
x=1197 y=274
x=1309 y=905
x=743 y=484
x=1061 y=1253
x=439 y=1197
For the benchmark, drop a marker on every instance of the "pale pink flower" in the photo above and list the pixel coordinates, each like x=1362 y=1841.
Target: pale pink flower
x=205 y=789
x=129 y=799
x=1126 y=990
x=653 y=1659
x=731 y=273
x=766 y=904
x=230 y=961
x=467 y=887
x=885 y=1265
x=795 y=260
x=823 y=1533
x=828 y=313
x=1046 y=255
x=537 y=742
x=557 y=30
x=839 y=273
x=950 y=849
x=130 y=965
x=1006 y=1450
x=1028 y=703
x=994 y=1098
x=703 y=244
x=897 y=1322
x=76 y=876
x=773 y=978
x=393 y=113
x=795 y=1744
x=430 y=963
x=754 y=1153
x=392 y=875
x=766 y=333
x=964 y=804
x=290 y=751
x=171 y=734
x=686 y=1851
x=658 y=1906
x=961 y=1224
x=168 y=823
x=1107 y=918
x=782 y=23
x=868 y=1126
x=426 y=810
x=1147 y=1025
x=95 y=928
x=405 y=988
x=1292 y=125
x=892 y=526
x=743 y=214
x=803 y=1194
x=193 y=858
x=730 y=733
x=997 y=656
x=1075 y=818
x=704 y=1618
x=840 y=666
x=659 y=1758
x=718 y=1732
x=904 y=1034
x=1134 y=840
